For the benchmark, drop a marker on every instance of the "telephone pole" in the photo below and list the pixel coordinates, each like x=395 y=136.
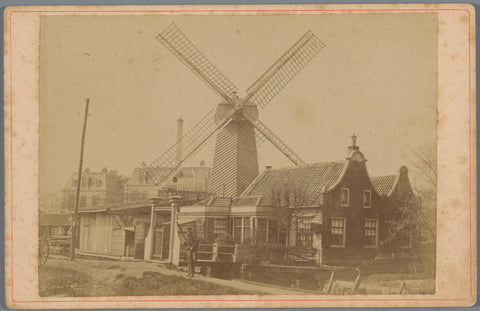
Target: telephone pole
x=77 y=197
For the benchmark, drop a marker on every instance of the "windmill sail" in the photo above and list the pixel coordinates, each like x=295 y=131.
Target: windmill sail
x=262 y=91
x=174 y=40
x=277 y=142
x=235 y=163
x=190 y=142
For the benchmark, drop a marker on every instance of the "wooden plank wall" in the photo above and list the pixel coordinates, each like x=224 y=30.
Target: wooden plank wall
x=118 y=242
x=96 y=233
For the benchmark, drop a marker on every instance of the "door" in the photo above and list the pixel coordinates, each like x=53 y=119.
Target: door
x=158 y=243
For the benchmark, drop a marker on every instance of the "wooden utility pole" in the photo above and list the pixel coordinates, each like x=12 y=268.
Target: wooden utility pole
x=77 y=197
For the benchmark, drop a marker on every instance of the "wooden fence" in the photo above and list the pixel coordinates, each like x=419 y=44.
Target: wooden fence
x=212 y=253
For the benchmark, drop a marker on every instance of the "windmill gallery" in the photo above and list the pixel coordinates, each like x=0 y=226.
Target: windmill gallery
x=330 y=213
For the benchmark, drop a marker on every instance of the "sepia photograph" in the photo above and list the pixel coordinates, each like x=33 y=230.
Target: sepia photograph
x=240 y=156
x=227 y=155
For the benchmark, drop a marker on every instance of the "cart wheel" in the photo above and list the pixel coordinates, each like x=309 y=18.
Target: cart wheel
x=43 y=251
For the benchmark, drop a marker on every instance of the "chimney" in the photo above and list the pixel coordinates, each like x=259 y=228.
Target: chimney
x=354 y=146
x=178 y=151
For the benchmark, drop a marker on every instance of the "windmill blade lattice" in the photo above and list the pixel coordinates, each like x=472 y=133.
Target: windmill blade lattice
x=276 y=141
x=190 y=142
x=262 y=91
x=175 y=41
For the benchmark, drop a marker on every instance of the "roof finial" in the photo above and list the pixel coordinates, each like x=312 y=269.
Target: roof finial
x=354 y=146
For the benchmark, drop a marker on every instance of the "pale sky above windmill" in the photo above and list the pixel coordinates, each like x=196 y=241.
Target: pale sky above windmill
x=376 y=78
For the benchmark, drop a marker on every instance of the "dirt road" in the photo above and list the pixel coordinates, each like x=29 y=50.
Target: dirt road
x=94 y=278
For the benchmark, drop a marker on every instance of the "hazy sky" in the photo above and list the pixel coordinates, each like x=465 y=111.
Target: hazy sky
x=375 y=78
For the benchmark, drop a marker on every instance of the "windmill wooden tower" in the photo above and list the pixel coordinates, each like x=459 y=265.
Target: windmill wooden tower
x=235 y=119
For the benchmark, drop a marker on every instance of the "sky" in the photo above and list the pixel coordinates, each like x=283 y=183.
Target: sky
x=376 y=77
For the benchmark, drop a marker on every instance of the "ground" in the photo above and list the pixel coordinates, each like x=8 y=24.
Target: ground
x=86 y=277
x=93 y=278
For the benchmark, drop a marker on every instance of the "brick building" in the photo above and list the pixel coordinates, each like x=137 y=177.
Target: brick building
x=340 y=213
x=96 y=189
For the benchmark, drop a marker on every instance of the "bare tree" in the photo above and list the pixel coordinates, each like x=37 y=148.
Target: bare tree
x=411 y=219
x=424 y=161
x=287 y=200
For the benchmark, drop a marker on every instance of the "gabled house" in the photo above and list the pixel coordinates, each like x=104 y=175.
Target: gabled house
x=96 y=189
x=141 y=186
x=116 y=213
x=338 y=210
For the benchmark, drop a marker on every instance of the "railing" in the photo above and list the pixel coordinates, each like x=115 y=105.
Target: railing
x=212 y=253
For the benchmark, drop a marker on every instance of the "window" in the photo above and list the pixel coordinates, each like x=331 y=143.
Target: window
x=405 y=239
x=371 y=233
x=241 y=232
x=304 y=232
x=142 y=177
x=82 y=201
x=367 y=198
x=261 y=230
x=344 y=196
x=94 y=200
x=272 y=231
x=220 y=226
x=338 y=232
x=98 y=182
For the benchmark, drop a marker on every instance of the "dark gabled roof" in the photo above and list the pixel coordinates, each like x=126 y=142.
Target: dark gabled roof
x=384 y=184
x=312 y=178
x=53 y=219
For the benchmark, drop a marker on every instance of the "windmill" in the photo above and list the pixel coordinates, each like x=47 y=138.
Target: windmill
x=235 y=120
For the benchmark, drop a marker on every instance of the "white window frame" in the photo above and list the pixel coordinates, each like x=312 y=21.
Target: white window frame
x=344 y=231
x=242 y=229
x=348 y=196
x=376 y=232
x=370 y=198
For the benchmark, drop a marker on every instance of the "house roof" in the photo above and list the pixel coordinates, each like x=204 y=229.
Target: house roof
x=53 y=219
x=313 y=177
x=384 y=184
x=141 y=175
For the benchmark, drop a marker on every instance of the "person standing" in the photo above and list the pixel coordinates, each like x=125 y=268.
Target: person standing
x=191 y=244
